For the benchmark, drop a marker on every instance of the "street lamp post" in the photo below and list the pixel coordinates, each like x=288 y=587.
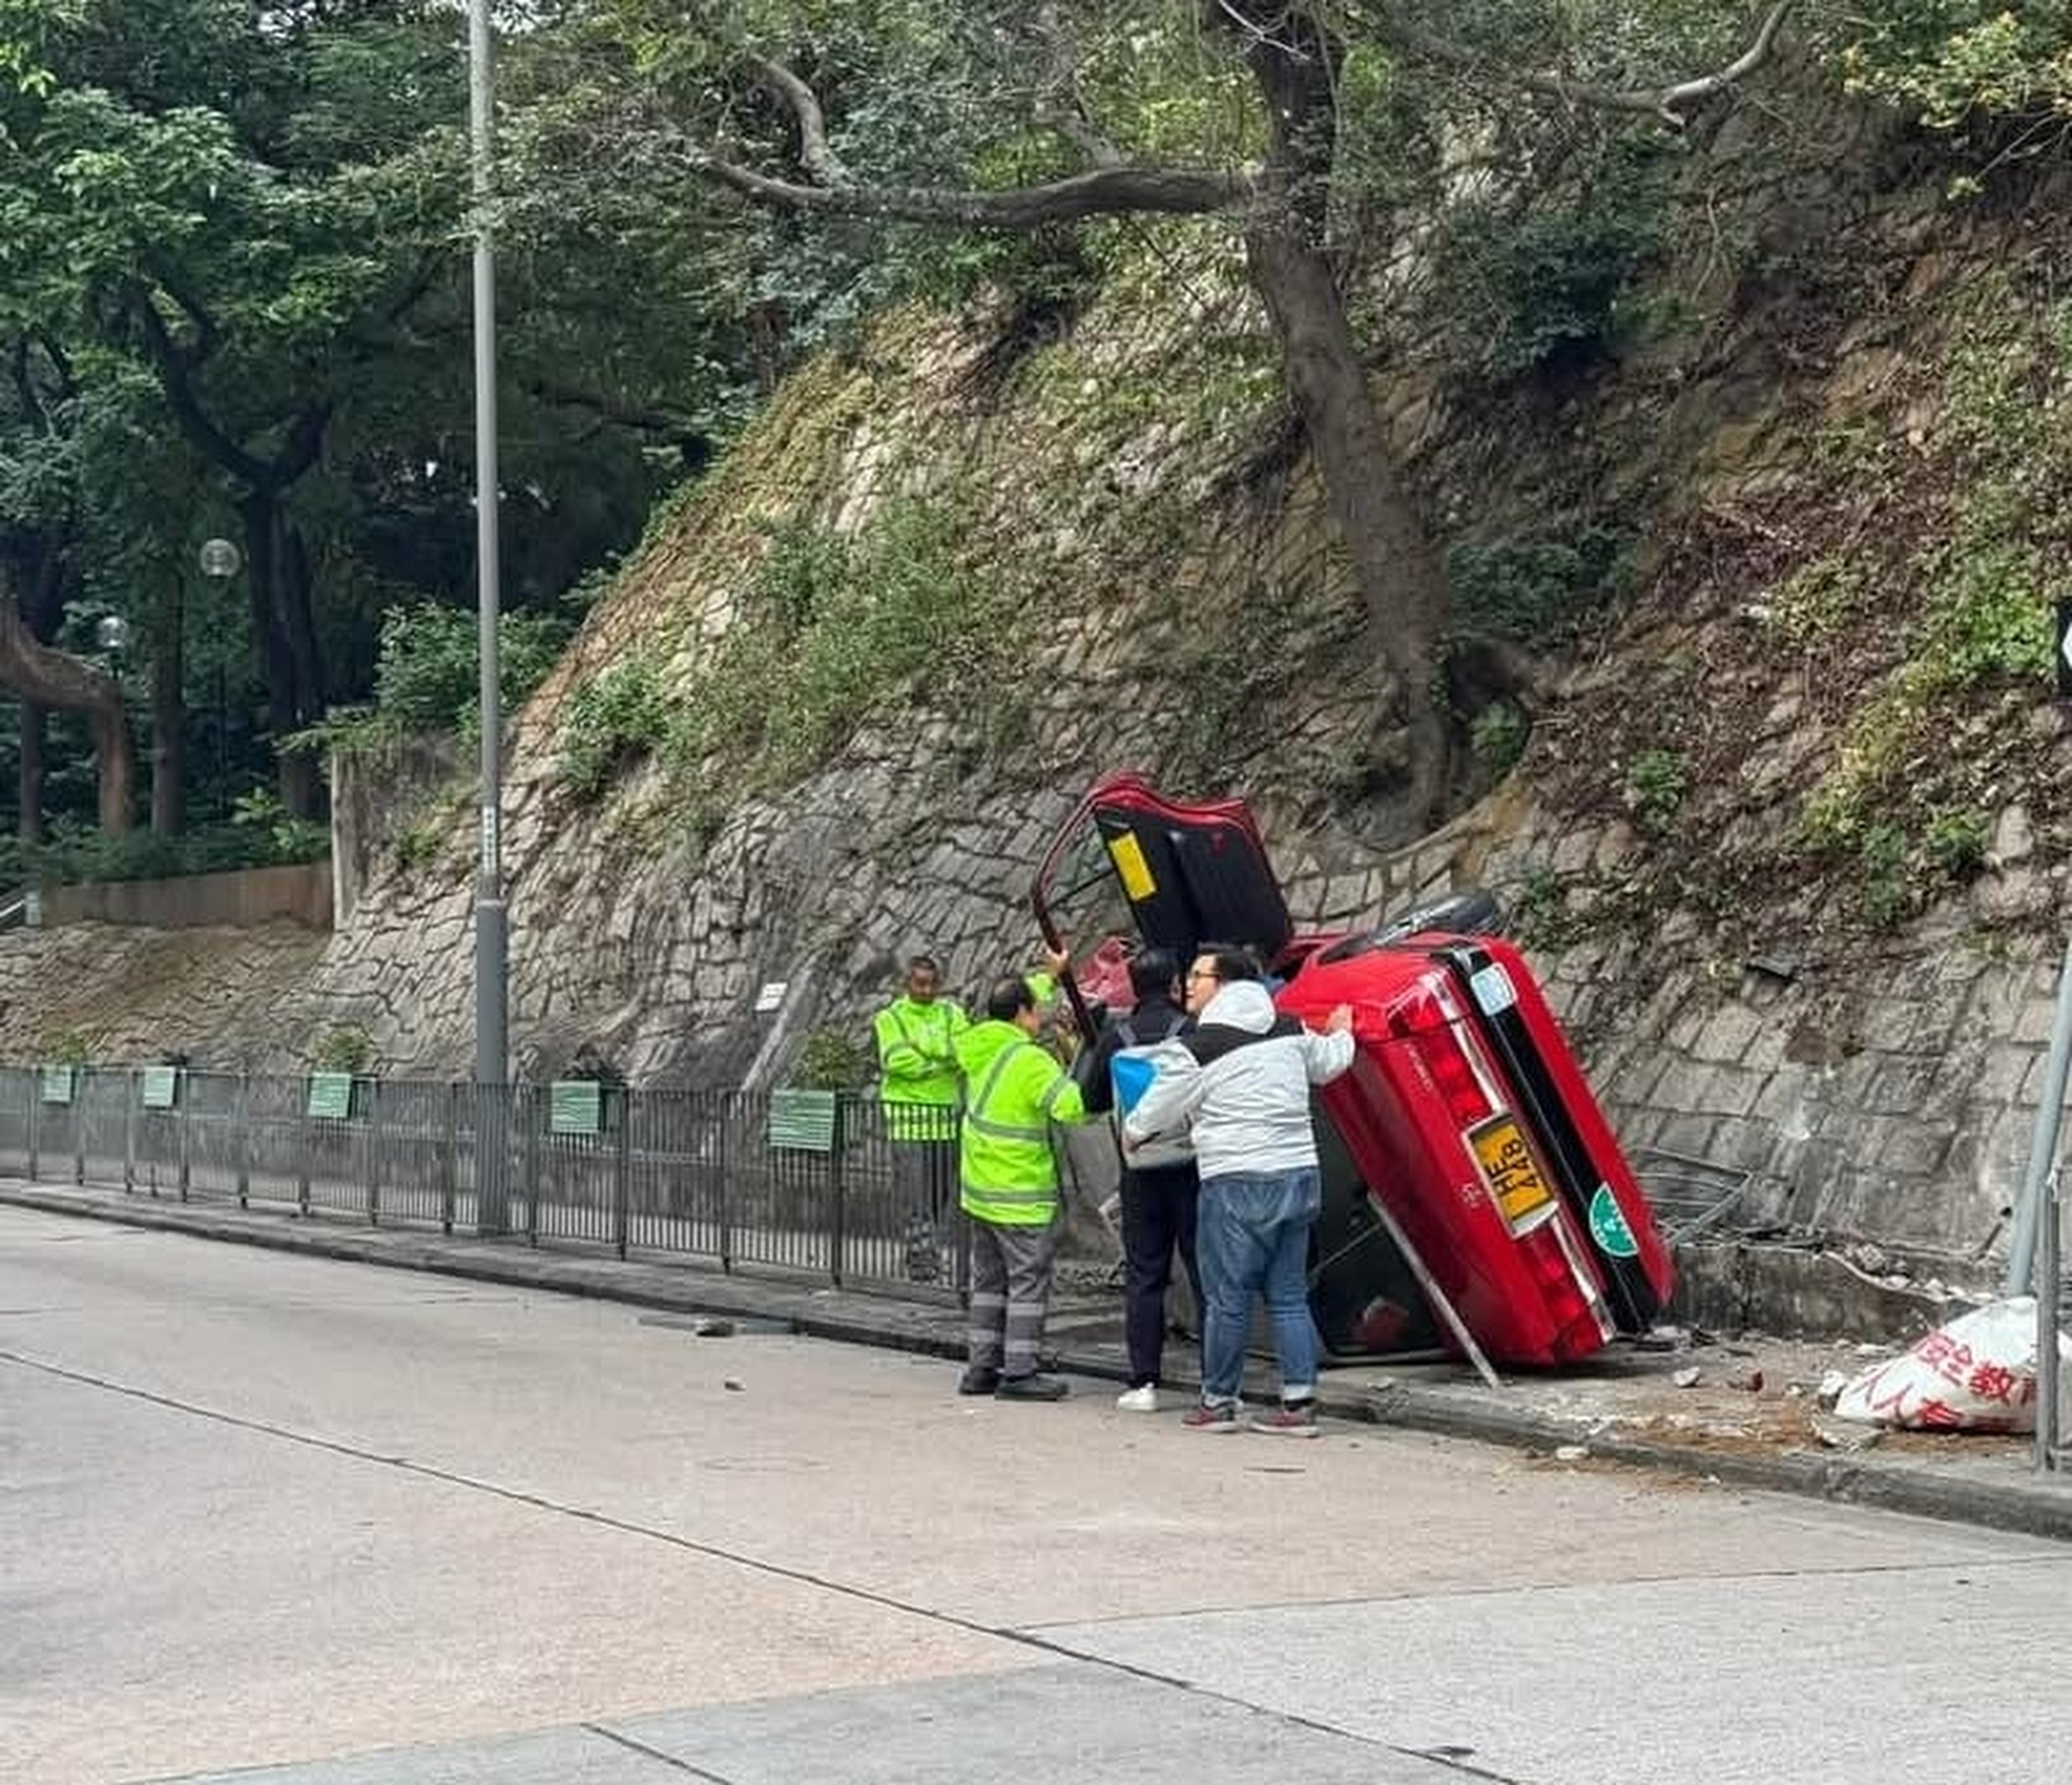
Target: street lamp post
x=492 y=965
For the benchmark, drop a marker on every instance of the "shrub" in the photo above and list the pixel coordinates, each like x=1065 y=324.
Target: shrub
x=429 y=675
x=1956 y=843
x=1655 y=787
x=1536 y=590
x=620 y=713
x=832 y=1059
x=1498 y=736
x=1543 y=289
x=345 y=1048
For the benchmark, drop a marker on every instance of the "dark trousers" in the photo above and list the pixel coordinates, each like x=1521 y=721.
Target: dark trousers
x=1158 y=1219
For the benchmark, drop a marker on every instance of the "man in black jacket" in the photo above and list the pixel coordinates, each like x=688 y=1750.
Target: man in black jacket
x=1158 y=1205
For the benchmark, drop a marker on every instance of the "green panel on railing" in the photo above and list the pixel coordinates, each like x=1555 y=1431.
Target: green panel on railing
x=161 y=1086
x=574 y=1106
x=803 y=1120
x=58 y=1083
x=331 y=1096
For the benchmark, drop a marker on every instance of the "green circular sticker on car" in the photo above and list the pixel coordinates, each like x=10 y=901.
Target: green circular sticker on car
x=1608 y=1226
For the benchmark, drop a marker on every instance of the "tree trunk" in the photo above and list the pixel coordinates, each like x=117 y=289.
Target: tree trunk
x=30 y=824
x=1399 y=575
x=53 y=678
x=1401 y=580
x=42 y=612
x=168 y=717
x=298 y=618
x=295 y=772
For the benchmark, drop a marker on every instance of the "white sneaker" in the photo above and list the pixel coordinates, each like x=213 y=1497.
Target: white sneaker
x=1139 y=1400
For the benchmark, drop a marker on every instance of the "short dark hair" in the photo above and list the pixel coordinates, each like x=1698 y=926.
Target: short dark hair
x=1153 y=971
x=1009 y=999
x=925 y=964
x=1234 y=965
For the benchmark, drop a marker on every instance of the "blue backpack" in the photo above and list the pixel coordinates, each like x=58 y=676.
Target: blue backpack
x=1132 y=1068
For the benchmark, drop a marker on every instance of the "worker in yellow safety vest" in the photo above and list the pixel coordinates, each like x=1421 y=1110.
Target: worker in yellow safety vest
x=919 y=1088
x=1014 y=1090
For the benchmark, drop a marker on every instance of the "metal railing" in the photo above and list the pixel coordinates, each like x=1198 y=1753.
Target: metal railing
x=804 y=1183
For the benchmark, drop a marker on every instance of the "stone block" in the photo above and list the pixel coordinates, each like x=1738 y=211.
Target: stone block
x=2002 y=1074
x=1733 y=1091
x=1887 y=1025
x=1900 y=1087
x=1913 y=1151
x=1727 y=1033
x=1682 y=1086
x=1574 y=853
x=1682 y=1033
x=2033 y=1023
x=1632 y=1086
x=1690 y=1136
x=1748 y=1144
x=1791 y=1101
x=1765 y=1052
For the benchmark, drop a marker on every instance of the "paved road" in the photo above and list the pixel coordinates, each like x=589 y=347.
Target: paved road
x=348 y=1526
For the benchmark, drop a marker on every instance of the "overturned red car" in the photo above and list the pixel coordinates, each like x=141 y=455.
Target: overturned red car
x=1464 y=1125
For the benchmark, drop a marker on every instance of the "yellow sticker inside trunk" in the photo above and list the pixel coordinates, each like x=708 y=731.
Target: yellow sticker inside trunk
x=1128 y=855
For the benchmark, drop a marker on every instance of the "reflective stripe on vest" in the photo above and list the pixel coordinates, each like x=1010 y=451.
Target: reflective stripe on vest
x=1008 y=1172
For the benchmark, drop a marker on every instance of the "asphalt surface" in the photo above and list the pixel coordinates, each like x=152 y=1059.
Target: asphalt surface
x=344 y=1525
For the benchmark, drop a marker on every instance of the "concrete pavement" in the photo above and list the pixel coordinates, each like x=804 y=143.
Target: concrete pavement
x=1621 y=1406
x=353 y=1525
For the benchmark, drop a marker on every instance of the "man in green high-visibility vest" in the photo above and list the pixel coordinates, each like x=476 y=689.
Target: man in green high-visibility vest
x=1014 y=1089
x=919 y=1089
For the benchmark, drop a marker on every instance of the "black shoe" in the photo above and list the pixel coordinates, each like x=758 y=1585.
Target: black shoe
x=977 y=1380
x=1032 y=1387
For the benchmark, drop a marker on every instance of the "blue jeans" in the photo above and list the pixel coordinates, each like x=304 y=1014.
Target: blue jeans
x=1252 y=1238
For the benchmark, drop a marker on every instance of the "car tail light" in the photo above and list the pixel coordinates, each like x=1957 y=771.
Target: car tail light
x=1457 y=1076
x=1567 y=1288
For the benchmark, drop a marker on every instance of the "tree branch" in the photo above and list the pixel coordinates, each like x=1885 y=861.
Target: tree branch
x=679 y=430
x=1671 y=104
x=814 y=156
x=305 y=441
x=1112 y=186
x=1104 y=191
x=1067 y=115
x=176 y=374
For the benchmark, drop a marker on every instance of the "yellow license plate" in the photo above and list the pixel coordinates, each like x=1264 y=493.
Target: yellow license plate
x=1514 y=1175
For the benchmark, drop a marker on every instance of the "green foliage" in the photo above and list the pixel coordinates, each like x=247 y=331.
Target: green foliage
x=1987 y=580
x=1498 y=736
x=1539 y=286
x=1888 y=893
x=1550 y=910
x=1951 y=63
x=833 y=1059
x=1818 y=600
x=1535 y=591
x=428 y=678
x=417 y=845
x=76 y=852
x=66 y=1047
x=346 y=1047
x=617 y=716
x=832 y=626
x=1656 y=783
x=281 y=837
x=1956 y=843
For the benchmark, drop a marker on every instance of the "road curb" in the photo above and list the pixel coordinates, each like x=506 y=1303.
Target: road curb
x=854 y=1318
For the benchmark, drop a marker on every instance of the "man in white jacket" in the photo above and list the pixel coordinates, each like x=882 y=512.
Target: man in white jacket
x=1240 y=1080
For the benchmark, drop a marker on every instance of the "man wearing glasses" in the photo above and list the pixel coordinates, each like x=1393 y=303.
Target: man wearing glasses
x=1240 y=1081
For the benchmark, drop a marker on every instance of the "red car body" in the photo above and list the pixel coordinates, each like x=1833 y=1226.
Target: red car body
x=1464 y=1114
